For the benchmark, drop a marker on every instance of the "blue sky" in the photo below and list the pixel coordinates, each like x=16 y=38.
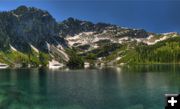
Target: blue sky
x=152 y=15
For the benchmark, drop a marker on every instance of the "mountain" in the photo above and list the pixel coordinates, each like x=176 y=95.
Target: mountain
x=87 y=35
x=26 y=30
x=112 y=45
x=32 y=37
x=25 y=26
x=71 y=27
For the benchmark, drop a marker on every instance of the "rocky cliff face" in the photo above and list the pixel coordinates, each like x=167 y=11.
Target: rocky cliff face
x=88 y=36
x=71 y=27
x=25 y=26
x=30 y=35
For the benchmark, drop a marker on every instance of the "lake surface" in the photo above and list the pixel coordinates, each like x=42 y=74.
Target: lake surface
x=137 y=87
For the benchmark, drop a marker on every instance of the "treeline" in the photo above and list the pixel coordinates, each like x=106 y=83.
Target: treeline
x=163 y=52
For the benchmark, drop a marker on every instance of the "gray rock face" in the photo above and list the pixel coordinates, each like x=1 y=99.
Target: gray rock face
x=87 y=36
x=25 y=26
x=28 y=25
x=73 y=26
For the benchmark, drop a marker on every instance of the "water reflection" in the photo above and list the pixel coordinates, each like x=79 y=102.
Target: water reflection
x=151 y=82
x=132 y=87
x=18 y=88
x=152 y=68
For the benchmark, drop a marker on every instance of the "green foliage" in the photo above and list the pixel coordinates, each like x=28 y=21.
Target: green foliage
x=83 y=47
x=163 y=52
x=91 y=56
x=103 y=51
x=43 y=58
x=36 y=59
x=130 y=57
x=12 y=57
x=103 y=42
x=33 y=58
x=75 y=61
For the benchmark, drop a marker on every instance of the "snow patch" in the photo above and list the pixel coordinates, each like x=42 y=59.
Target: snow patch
x=34 y=48
x=169 y=33
x=150 y=37
x=14 y=49
x=15 y=15
x=66 y=57
x=80 y=39
x=139 y=39
x=157 y=40
x=118 y=58
x=95 y=46
x=55 y=64
x=3 y=66
x=86 y=65
x=121 y=40
x=48 y=46
x=60 y=47
x=88 y=33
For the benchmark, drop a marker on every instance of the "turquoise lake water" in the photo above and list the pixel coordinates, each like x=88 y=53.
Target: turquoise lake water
x=137 y=87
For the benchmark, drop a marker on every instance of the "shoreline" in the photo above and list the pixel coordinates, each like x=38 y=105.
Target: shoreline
x=91 y=67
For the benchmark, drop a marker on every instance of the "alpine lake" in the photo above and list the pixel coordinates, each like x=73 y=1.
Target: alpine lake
x=128 y=87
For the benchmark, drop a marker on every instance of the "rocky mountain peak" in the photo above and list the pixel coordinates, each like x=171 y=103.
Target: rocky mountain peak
x=21 y=9
x=29 y=25
x=72 y=27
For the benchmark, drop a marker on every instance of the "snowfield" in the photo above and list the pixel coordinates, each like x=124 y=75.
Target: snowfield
x=34 y=48
x=12 y=48
x=151 y=40
x=92 y=38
